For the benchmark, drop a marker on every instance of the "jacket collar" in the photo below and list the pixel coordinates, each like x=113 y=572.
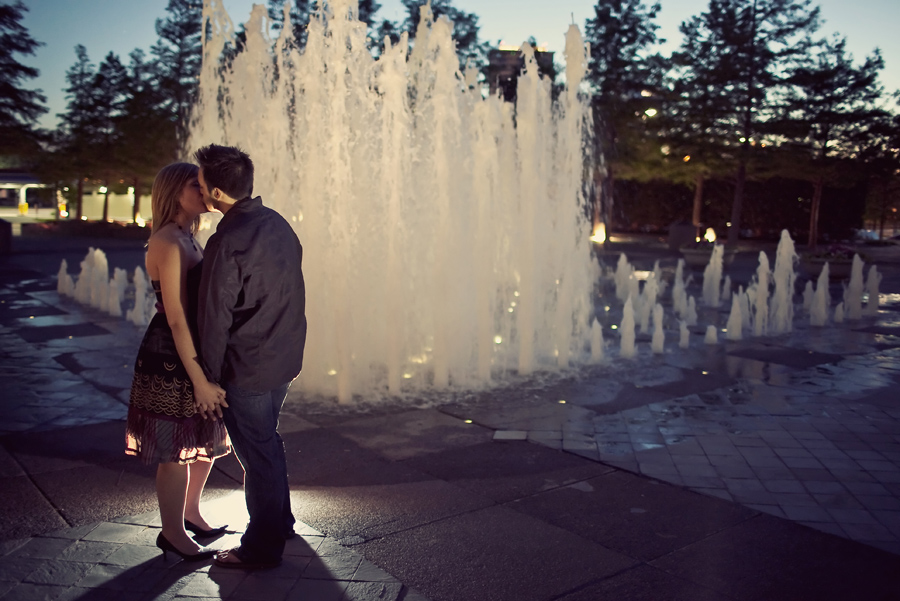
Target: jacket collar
x=244 y=205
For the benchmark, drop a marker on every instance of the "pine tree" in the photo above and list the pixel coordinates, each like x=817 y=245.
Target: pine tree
x=148 y=132
x=829 y=104
x=730 y=65
x=20 y=108
x=75 y=157
x=626 y=81
x=179 y=55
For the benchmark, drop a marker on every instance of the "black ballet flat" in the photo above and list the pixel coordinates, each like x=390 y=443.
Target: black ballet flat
x=163 y=543
x=198 y=531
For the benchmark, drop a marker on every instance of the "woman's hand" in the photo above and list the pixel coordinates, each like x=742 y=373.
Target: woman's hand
x=209 y=398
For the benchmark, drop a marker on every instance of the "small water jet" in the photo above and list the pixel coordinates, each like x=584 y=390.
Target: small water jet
x=65 y=284
x=99 y=281
x=690 y=315
x=711 y=337
x=735 y=321
x=83 y=283
x=712 y=276
x=783 y=277
x=144 y=304
x=760 y=297
x=854 y=290
x=684 y=335
x=658 y=341
x=597 y=342
x=872 y=282
x=626 y=331
x=818 y=310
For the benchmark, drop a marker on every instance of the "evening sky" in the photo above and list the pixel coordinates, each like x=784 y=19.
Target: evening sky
x=122 y=25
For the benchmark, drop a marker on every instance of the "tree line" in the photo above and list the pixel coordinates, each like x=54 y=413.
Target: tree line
x=753 y=93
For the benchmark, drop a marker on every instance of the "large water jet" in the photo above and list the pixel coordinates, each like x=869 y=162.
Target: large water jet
x=445 y=233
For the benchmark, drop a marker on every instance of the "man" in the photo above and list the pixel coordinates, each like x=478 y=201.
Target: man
x=252 y=327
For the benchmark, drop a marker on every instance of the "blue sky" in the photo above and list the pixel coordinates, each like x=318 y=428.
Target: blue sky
x=122 y=25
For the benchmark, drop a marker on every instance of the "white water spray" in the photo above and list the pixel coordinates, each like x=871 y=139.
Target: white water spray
x=783 y=276
x=425 y=210
x=626 y=331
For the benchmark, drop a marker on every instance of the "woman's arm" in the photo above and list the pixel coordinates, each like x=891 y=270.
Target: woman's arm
x=166 y=255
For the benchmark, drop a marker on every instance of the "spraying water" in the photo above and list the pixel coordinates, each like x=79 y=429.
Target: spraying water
x=761 y=297
x=872 y=282
x=626 y=331
x=735 y=322
x=597 y=343
x=426 y=211
x=782 y=308
x=818 y=310
x=658 y=341
x=712 y=277
x=853 y=291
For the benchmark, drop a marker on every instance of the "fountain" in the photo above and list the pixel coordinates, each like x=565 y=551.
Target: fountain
x=853 y=291
x=658 y=341
x=872 y=282
x=144 y=306
x=117 y=286
x=821 y=301
x=725 y=296
x=684 y=335
x=839 y=312
x=425 y=209
x=782 y=307
x=679 y=296
x=65 y=285
x=690 y=315
x=760 y=297
x=808 y=293
x=735 y=322
x=597 y=343
x=624 y=273
x=648 y=302
x=712 y=276
x=626 y=330
x=99 y=281
x=711 y=336
x=83 y=283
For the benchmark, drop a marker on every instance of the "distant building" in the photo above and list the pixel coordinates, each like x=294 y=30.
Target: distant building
x=14 y=186
x=507 y=62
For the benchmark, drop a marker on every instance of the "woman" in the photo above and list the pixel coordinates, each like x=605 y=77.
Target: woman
x=170 y=394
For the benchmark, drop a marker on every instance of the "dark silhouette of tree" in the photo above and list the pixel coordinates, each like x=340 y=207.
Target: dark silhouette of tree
x=148 y=131
x=20 y=108
x=179 y=56
x=625 y=78
x=74 y=139
x=879 y=156
x=731 y=64
x=829 y=106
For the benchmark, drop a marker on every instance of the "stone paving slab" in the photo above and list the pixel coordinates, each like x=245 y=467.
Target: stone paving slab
x=794 y=461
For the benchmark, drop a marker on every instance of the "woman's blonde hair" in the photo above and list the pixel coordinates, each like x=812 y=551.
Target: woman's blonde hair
x=166 y=193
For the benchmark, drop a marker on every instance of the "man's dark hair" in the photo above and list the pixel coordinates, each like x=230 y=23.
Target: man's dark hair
x=227 y=168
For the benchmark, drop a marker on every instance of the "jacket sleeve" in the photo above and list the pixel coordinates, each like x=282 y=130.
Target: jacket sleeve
x=220 y=285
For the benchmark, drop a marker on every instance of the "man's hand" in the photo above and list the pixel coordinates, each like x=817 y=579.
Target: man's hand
x=209 y=398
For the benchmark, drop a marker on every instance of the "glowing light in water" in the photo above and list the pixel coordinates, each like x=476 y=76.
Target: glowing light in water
x=599 y=235
x=710 y=235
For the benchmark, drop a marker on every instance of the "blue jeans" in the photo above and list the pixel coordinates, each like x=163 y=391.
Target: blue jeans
x=252 y=421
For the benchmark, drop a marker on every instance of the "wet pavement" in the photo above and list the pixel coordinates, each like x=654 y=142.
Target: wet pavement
x=762 y=469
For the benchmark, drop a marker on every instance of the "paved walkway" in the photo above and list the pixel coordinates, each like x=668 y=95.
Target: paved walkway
x=763 y=469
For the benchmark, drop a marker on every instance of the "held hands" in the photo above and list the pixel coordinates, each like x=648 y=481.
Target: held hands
x=209 y=398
